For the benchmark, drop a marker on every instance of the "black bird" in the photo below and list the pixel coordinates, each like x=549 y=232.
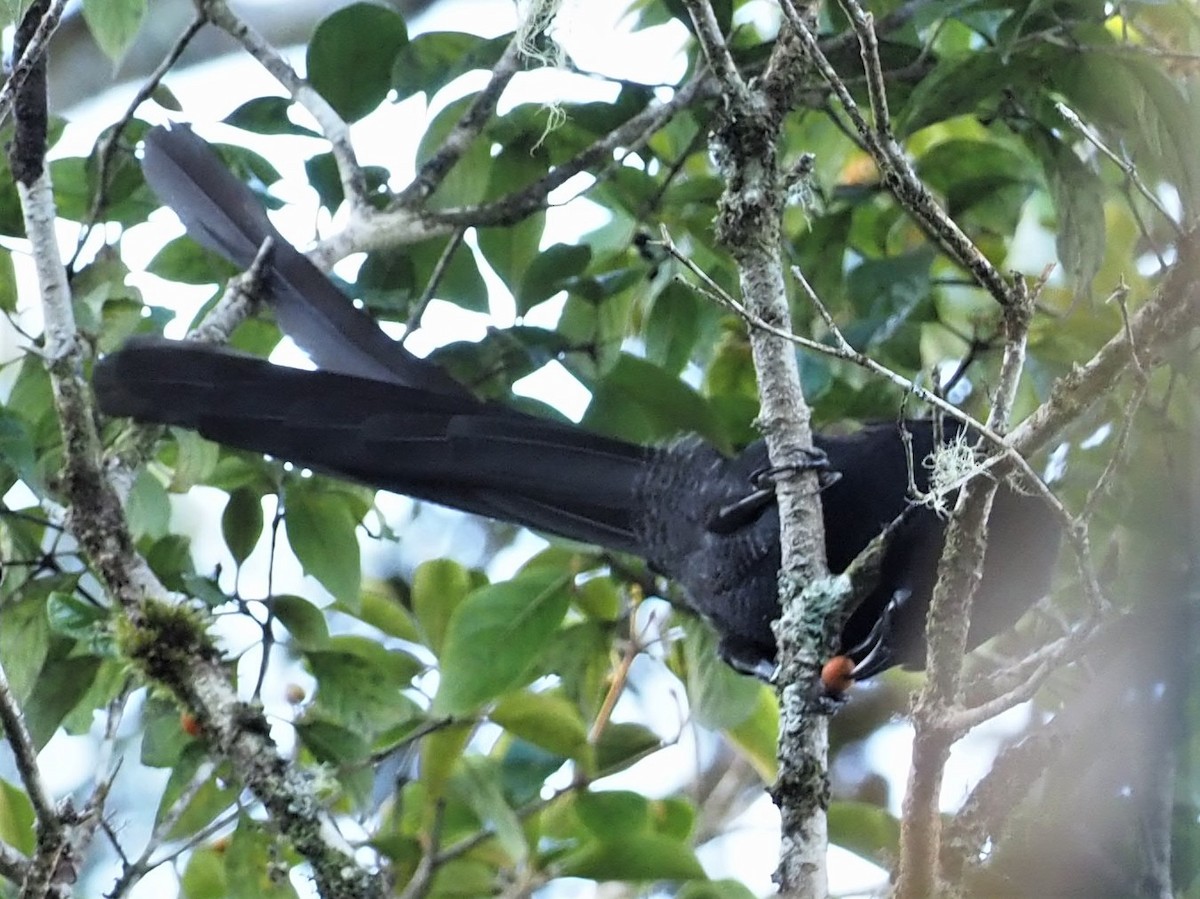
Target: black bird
x=376 y=414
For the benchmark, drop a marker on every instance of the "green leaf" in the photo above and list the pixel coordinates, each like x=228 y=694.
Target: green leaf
x=16 y=818
x=431 y=61
x=389 y=281
x=622 y=744
x=511 y=250
x=242 y=523
x=24 y=641
x=719 y=697
x=351 y=56
x=16 y=447
x=550 y=272
x=183 y=261
x=476 y=784
x=496 y=635
x=61 y=684
x=148 y=508
x=267 y=115
x=383 y=609
x=333 y=744
x=607 y=812
x=639 y=401
x=163 y=740
x=673 y=327
x=114 y=24
x=864 y=829
x=757 y=737
x=547 y=720
x=8 y=284
x=1079 y=236
x=252 y=864
x=194 y=461
x=599 y=598
x=637 y=856
x=467 y=182
x=524 y=769
x=715 y=889
x=438 y=587
x=73 y=617
x=441 y=752
x=359 y=683
x=211 y=800
x=304 y=621
x=959 y=86
x=322 y=531
x=204 y=877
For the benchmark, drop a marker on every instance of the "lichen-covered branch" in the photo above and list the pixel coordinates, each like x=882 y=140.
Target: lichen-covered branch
x=745 y=144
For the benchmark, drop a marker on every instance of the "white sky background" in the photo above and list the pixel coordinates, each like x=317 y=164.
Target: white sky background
x=597 y=40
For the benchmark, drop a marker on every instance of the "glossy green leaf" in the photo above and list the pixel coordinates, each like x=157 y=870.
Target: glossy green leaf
x=438 y=587
x=252 y=864
x=866 y=830
x=359 y=683
x=476 y=784
x=431 y=61
x=467 y=181
x=62 y=682
x=641 y=402
x=383 y=609
x=72 y=616
x=333 y=744
x=304 y=621
x=547 y=720
x=599 y=598
x=16 y=819
x=114 y=24
x=610 y=812
x=195 y=460
x=24 y=641
x=510 y=251
x=148 y=508
x=758 y=736
x=623 y=743
x=1076 y=191
x=204 y=877
x=634 y=857
x=8 y=284
x=242 y=523
x=182 y=260
x=495 y=636
x=715 y=889
x=322 y=531
x=267 y=115
x=351 y=55
x=549 y=272
x=720 y=697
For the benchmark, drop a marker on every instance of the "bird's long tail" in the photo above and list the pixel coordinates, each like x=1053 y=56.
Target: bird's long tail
x=224 y=215
x=451 y=449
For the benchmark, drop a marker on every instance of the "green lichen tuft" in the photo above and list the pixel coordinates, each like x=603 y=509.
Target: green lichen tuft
x=166 y=641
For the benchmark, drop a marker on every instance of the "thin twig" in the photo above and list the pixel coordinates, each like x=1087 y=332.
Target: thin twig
x=1127 y=167
x=435 y=279
x=716 y=51
x=465 y=131
x=25 y=755
x=332 y=125
x=898 y=174
x=109 y=142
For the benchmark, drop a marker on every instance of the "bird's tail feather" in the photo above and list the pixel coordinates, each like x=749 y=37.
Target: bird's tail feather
x=224 y=215
x=451 y=449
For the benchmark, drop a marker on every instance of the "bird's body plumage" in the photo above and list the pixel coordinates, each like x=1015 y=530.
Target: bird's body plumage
x=378 y=415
